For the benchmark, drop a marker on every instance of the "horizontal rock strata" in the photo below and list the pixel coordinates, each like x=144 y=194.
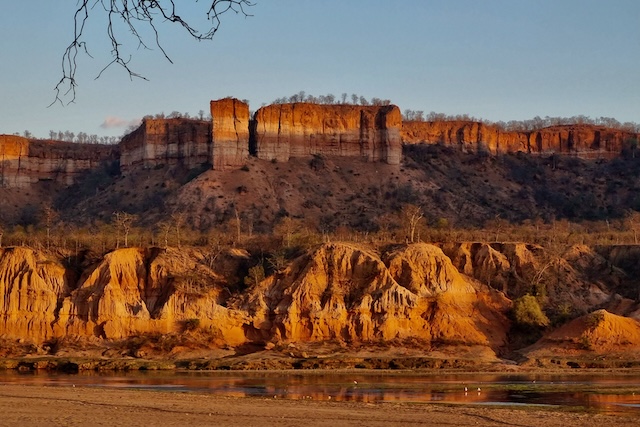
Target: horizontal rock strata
x=166 y=142
x=303 y=129
x=24 y=162
x=230 y=127
x=584 y=140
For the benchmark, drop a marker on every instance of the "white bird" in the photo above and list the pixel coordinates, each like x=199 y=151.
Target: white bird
x=355 y=382
x=465 y=389
x=479 y=389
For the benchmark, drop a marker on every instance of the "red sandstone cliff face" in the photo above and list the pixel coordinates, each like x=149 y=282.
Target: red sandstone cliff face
x=230 y=124
x=586 y=140
x=167 y=142
x=24 y=162
x=302 y=129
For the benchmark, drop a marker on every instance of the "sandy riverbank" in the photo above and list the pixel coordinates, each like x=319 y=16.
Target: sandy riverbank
x=27 y=406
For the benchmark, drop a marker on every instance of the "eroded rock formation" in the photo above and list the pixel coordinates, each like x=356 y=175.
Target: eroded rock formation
x=338 y=292
x=303 y=129
x=341 y=292
x=166 y=142
x=230 y=124
x=24 y=162
x=584 y=140
x=31 y=288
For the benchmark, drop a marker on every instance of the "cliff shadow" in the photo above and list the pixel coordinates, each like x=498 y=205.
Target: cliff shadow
x=253 y=143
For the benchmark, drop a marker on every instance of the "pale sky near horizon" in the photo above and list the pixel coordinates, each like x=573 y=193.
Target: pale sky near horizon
x=492 y=59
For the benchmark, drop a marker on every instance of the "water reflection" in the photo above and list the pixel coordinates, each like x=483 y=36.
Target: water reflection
x=609 y=393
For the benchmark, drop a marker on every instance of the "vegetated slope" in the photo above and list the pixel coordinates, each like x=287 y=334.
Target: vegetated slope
x=329 y=192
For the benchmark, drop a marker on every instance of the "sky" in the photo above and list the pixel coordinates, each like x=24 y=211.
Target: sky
x=491 y=59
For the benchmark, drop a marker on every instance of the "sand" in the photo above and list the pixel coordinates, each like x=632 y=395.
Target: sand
x=31 y=405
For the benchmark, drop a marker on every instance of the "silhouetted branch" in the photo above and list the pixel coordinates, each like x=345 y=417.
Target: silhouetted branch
x=136 y=15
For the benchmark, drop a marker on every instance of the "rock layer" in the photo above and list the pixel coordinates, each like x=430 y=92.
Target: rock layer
x=303 y=129
x=338 y=292
x=230 y=124
x=341 y=292
x=166 y=141
x=24 y=162
x=584 y=140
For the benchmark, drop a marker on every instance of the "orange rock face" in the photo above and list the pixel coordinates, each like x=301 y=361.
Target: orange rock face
x=598 y=332
x=31 y=288
x=230 y=133
x=24 y=162
x=166 y=141
x=585 y=140
x=302 y=130
x=341 y=292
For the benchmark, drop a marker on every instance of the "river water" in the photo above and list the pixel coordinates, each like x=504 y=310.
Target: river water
x=584 y=392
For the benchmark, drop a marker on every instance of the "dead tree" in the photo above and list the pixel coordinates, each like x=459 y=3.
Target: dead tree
x=132 y=18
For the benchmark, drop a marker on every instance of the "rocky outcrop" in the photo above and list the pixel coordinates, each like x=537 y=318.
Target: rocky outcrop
x=230 y=127
x=341 y=292
x=584 y=140
x=136 y=291
x=303 y=129
x=129 y=292
x=599 y=332
x=166 y=142
x=518 y=269
x=31 y=289
x=24 y=162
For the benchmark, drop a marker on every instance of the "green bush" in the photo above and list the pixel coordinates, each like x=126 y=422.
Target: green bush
x=527 y=312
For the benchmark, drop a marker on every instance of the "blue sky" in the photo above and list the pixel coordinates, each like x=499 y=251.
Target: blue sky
x=494 y=59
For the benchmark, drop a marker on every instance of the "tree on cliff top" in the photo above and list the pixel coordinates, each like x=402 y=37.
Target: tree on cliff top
x=135 y=17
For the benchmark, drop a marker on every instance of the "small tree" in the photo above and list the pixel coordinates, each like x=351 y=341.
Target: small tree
x=164 y=227
x=255 y=276
x=178 y=219
x=412 y=217
x=49 y=215
x=123 y=222
x=527 y=312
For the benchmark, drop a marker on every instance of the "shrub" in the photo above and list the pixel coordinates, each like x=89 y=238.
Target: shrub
x=191 y=324
x=594 y=319
x=527 y=312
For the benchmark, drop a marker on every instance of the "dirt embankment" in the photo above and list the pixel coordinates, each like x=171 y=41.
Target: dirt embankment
x=339 y=305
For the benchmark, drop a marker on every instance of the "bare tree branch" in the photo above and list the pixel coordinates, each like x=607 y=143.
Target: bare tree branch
x=136 y=15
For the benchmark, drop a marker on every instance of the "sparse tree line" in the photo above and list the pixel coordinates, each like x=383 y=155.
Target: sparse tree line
x=79 y=138
x=331 y=99
x=46 y=229
x=522 y=125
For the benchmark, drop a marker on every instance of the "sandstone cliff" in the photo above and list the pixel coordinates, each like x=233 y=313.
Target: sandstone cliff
x=31 y=289
x=518 y=269
x=302 y=129
x=24 y=162
x=584 y=140
x=338 y=292
x=230 y=124
x=341 y=292
x=166 y=142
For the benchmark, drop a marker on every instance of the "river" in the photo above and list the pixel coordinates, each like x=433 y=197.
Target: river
x=607 y=393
